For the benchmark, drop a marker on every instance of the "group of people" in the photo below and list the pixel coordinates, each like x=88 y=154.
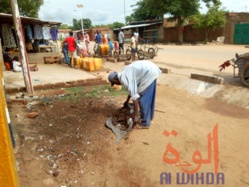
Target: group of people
x=133 y=44
x=102 y=39
x=71 y=45
x=13 y=64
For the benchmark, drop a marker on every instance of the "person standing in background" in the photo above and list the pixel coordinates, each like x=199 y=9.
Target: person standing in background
x=71 y=41
x=87 y=42
x=111 y=46
x=137 y=37
x=133 y=48
x=64 y=47
x=104 y=40
x=8 y=58
x=121 y=41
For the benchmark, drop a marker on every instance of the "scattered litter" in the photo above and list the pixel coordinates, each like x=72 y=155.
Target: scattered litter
x=73 y=153
x=32 y=114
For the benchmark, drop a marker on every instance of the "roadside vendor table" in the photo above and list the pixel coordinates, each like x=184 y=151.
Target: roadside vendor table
x=45 y=46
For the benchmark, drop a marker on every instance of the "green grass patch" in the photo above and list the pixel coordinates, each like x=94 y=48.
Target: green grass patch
x=76 y=93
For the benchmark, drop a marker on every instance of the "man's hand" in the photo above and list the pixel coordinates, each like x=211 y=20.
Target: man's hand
x=126 y=104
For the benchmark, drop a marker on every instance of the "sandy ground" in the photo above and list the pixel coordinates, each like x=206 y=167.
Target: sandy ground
x=138 y=159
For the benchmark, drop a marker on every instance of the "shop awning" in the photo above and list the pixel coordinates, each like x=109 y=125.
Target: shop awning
x=7 y=18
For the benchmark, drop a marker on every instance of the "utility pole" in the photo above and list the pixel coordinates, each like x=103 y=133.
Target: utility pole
x=82 y=27
x=24 y=57
x=124 y=13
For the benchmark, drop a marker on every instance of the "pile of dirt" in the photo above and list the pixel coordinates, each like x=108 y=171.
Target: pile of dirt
x=121 y=116
x=64 y=138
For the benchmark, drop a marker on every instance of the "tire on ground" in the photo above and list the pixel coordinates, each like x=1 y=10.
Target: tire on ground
x=128 y=54
x=244 y=75
x=140 y=54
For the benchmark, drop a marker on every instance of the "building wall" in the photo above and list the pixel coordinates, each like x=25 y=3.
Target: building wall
x=190 y=34
x=232 y=19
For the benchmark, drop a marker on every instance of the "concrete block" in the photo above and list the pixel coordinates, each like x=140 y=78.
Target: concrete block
x=81 y=80
x=48 y=86
x=121 y=59
x=59 y=84
x=112 y=60
x=205 y=78
x=90 y=80
x=70 y=82
x=127 y=62
x=38 y=87
x=165 y=70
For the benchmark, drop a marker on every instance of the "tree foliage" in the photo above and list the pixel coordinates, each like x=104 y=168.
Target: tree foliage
x=87 y=23
x=178 y=10
x=214 y=18
x=64 y=26
x=115 y=25
x=142 y=11
x=28 y=8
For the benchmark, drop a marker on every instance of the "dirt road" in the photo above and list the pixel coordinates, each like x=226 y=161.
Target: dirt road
x=68 y=144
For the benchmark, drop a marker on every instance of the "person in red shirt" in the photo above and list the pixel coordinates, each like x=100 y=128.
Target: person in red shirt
x=71 y=48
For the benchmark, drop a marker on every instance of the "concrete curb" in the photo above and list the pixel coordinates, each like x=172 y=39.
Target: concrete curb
x=225 y=93
x=112 y=60
x=165 y=70
x=205 y=78
x=66 y=84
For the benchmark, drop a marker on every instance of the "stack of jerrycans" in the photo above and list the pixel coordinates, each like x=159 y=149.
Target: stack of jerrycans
x=91 y=64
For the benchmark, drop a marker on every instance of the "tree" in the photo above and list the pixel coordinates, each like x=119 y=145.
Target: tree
x=63 y=26
x=179 y=10
x=214 y=18
x=87 y=23
x=129 y=19
x=115 y=25
x=28 y=8
x=143 y=11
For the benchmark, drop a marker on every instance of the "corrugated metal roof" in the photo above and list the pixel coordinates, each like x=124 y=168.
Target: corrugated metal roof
x=7 y=18
x=140 y=25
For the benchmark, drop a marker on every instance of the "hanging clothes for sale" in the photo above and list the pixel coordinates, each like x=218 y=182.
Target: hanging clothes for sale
x=38 y=32
x=29 y=32
x=46 y=33
x=8 y=37
x=54 y=33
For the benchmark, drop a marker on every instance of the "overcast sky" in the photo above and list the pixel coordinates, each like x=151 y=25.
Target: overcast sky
x=106 y=11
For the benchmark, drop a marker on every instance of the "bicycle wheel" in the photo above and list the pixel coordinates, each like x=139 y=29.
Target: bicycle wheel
x=151 y=52
x=128 y=54
x=244 y=75
x=115 y=55
x=140 y=54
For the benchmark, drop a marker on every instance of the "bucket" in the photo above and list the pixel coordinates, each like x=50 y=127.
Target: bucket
x=85 y=60
x=97 y=63
x=90 y=64
x=102 y=49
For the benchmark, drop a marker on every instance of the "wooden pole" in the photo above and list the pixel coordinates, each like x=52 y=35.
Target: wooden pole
x=24 y=57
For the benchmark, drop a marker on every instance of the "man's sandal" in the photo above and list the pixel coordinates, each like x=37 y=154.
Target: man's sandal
x=139 y=126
